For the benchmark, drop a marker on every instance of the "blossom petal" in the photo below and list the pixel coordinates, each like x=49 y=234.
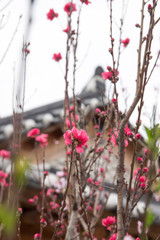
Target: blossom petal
x=79 y=149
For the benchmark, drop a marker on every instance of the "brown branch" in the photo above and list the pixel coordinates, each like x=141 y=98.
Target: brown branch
x=65 y=195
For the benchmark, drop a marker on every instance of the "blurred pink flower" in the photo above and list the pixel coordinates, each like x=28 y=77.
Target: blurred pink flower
x=37 y=236
x=42 y=138
x=69 y=8
x=113 y=237
x=33 y=132
x=5 y=154
x=138 y=136
x=108 y=221
x=125 y=42
x=107 y=75
x=57 y=57
x=80 y=138
x=51 y=14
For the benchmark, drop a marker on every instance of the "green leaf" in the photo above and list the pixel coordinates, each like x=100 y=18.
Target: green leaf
x=153 y=135
x=148 y=132
x=150 y=216
x=20 y=168
x=7 y=218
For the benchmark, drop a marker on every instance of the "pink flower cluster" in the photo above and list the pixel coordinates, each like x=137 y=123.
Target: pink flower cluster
x=114 y=139
x=111 y=74
x=57 y=57
x=79 y=138
x=5 y=154
x=106 y=222
x=125 y=42
x=128 y=132
x=69 y=8
x=37 y=236
x=51 y=14
x=3 y=177
x=42 y=138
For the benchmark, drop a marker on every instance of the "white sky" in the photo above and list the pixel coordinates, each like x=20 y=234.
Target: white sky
x=45 y=82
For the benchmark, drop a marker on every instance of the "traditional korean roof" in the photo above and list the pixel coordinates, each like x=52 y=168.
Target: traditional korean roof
x=42 y=117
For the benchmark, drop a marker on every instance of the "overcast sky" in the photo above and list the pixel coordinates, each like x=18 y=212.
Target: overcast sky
x=45 y=78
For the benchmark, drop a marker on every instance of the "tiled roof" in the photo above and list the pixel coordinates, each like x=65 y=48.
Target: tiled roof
x=42 y=117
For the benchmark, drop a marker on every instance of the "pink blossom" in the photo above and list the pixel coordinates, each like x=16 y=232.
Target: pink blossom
x=113 y=237
x=59 y=173
x=33 y=132
x=54 y=206
x=128 y=132
x=68 y=123
x=139 y=159
x=43 y=222
x=108 y=221
x=5 y=154
x=67 y=30
x=35 y=197
x=101 y=169
x=96 y=126
x=45 y=173
x=126 y=143
x=125 y=42
x=146 y=151
x=42 y=138
x=143 y=185
x=90 y=208
x=149 y=7
x=20 y=210
x=142 y=179
x=79 y=136
x=72 y=108
x=114 y=100
x=59 y=233
x=51 y=14
x=57 y=57
x=76 y=117
x=103 y=112
x=69 y=8
x=69 y=152
x=67 y=137
x=97 y=110
x=114 y=138
x=89 y=180
x=97 y=183
x=98 y=134
x=107 y=75
x=31 y=200
x=97 y=150
x=85 y=1
x=98 y=207
x=50 y=192
x=37 y=236
x=138 y=136
x=145 y=169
